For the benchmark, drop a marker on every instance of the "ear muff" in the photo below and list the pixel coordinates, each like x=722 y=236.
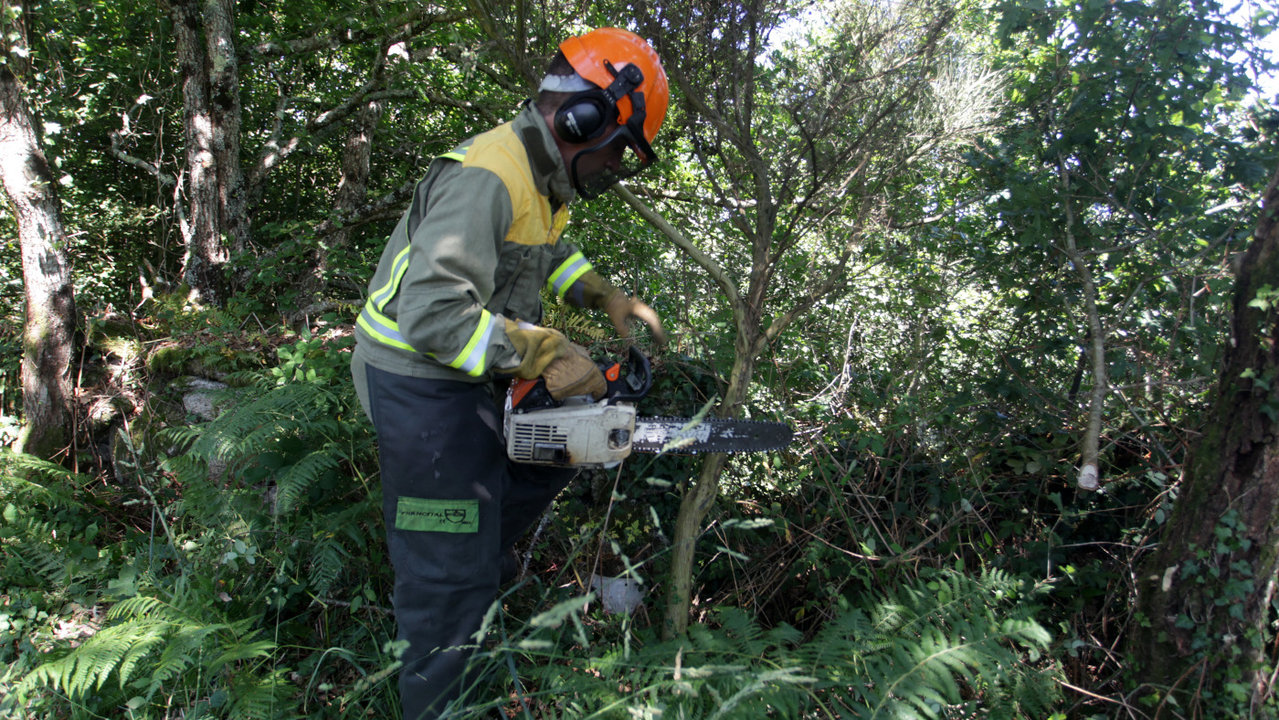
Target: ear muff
x=584 y=116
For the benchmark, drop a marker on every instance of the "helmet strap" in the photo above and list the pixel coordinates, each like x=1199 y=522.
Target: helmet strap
x=588 y=114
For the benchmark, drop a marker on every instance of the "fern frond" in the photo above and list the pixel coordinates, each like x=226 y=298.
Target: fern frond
x=294 y=482
x=951 y=646
x=259 y=697
x=328 y=559
x=86 y=668
x=141 y=606
x=28 y=477
x=163 y=639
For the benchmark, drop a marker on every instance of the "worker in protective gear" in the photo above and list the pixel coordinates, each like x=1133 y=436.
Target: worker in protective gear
x=453 y=309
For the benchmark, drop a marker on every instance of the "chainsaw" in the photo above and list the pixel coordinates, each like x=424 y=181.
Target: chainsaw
x=584 y=432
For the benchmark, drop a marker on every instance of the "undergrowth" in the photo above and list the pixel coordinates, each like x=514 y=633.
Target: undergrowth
x=956 y=646
x=242 y=574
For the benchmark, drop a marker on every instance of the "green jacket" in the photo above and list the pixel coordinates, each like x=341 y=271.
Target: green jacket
x=476 y=245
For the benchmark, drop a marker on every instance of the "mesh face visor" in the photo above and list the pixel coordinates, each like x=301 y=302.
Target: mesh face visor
x=607 y=162
x=617 y=157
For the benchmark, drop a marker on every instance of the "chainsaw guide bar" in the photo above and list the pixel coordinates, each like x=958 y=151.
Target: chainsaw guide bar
x=682 y=435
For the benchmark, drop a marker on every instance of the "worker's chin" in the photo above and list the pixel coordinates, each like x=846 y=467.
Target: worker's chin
x=590 y=186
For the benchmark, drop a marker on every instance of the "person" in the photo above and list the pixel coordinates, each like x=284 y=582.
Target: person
x=453 y=310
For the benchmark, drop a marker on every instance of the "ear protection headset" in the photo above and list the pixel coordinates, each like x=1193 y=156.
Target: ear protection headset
x=586 y=115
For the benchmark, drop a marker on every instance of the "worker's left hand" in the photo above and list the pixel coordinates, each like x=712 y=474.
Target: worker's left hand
x=621 y=308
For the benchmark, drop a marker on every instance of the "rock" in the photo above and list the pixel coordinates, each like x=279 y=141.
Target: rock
x=618 y=596
x=198 y=398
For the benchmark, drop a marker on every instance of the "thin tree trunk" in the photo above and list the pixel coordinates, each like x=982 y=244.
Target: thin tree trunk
x=352 y=190
x=49 y=331
x=216 y=221
x=700 y=498
x=697 y=501
x=1089 y=473
x=225 y=111
x=1205 y=593
x=750 y=342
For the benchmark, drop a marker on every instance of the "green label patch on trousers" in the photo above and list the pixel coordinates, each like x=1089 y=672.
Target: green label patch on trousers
x=450 y=516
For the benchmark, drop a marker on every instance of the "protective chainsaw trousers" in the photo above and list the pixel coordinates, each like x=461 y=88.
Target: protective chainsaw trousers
x=453 y=507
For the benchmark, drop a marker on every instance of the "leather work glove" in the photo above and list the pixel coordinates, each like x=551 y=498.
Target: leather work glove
x=545 y=352
x=574 y=373
x=620 y=308
x=598 y=292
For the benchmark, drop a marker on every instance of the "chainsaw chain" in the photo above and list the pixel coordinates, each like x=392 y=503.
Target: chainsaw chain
x=705 y=437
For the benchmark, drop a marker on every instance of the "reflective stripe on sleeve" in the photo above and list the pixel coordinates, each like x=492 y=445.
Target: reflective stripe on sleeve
x=382 y=328
x=383 y=295
x=387 y=331
x=567 y=273
x=471 y=359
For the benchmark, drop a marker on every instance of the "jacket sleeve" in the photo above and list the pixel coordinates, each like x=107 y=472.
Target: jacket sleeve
x=575 y=280
x=455 y=234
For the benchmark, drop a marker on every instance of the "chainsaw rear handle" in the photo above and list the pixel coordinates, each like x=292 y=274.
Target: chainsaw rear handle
x=629 y=383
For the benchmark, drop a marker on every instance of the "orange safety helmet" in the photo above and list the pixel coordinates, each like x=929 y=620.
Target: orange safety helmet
x=625 y=109
x=591 y=54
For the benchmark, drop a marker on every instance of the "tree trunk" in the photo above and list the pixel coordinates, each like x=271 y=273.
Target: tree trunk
x=699 y=499
x=352 y=189
x=216 y=223
x=1204 y=594
x=50 y=301
x=1089 y=466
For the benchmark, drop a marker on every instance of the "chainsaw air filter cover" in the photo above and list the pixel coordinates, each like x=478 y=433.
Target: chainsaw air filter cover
x=581 y=434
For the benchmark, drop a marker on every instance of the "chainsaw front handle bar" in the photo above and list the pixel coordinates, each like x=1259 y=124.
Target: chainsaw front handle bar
x=630 y=383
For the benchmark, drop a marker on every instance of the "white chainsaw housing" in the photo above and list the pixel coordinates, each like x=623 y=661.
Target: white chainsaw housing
x=579 y=433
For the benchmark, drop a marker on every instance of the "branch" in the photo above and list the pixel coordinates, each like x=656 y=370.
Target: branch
x=487 y=19
x=411 y=23
x=385 y=206
x=354 y=104
x=687 y=197
x=119 y=153
x=278 y=149
x=488 y=115
x=817 y=290
x=501 y=79
x=706 y=261
x=937 y=217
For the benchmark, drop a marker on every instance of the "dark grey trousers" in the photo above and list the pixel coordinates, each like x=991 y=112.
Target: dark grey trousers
x=453 y=506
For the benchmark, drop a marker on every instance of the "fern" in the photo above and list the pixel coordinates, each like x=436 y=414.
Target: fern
x=293 y=484
x=577 y=326
x=929 y=650
x=47 y=523
x=28 y=477
x=227 y=588
x=328 y=560
x=934 y=645
x=157 y=641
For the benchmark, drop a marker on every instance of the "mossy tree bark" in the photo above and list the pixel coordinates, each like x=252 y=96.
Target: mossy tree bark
x=216 y=224
x=49 y=328
x=1205 y=592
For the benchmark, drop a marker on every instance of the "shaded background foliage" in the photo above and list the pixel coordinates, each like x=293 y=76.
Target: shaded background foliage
x=940 y=380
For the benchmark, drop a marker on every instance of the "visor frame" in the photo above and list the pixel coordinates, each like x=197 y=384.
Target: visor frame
x=593 y=186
